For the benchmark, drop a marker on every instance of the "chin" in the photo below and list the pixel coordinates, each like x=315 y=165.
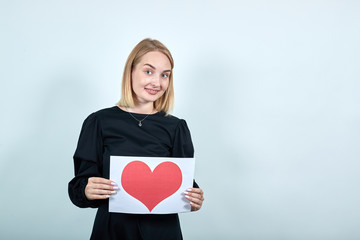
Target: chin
x=155 y=97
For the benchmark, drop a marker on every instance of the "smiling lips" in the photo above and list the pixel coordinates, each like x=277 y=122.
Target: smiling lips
x=151 y=91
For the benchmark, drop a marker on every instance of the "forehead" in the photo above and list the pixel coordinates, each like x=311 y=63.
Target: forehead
x=156 y=59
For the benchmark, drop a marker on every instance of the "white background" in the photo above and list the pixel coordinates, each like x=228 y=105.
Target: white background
x=269 y=89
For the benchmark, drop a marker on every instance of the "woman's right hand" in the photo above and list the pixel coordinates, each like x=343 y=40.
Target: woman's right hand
x=99 y=188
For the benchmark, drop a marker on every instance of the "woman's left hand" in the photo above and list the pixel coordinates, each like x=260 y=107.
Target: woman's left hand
x=196 y=197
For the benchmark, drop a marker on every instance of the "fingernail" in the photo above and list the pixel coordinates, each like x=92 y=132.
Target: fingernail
x=189 y=189
x=115 y=188
x=187 y=196
x=186 y=193
x=112 y=192
x=113 y=183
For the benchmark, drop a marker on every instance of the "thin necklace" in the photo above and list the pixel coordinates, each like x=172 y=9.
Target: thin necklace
x=140 y=121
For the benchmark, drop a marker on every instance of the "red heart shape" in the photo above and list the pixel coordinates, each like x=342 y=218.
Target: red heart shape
x=149 y=187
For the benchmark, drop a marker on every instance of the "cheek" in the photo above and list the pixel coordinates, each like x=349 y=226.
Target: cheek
x=135 y=80
x=141 y=79
x=165 y=85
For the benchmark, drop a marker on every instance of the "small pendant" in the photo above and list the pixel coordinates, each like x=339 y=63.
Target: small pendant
x=140 y=124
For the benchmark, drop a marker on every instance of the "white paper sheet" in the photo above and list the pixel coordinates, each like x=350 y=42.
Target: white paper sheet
x=149 y=185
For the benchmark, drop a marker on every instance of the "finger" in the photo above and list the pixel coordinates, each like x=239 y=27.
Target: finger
x=101 y=180
x=92 y=194
x=198 y=193
x=194 y=206
x=98 y=197
x=102 y=183
x=195 y=200
x=194 y=192
x=101 y=192
x=103 y=186
x=192 y=196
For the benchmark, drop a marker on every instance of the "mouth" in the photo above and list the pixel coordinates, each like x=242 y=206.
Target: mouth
x=151 y=91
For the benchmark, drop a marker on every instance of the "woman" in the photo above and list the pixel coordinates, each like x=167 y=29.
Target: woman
x=140 y=125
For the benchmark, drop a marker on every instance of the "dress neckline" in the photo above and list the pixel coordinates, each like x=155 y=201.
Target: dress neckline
x=140 y=114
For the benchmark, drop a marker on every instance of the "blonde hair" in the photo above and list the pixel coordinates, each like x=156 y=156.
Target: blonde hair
x=166 y=102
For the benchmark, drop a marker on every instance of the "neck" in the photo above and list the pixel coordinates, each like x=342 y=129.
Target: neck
x=142 y=108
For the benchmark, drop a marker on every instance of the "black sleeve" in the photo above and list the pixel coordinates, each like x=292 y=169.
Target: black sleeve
x=183 y=146
x=87 y=162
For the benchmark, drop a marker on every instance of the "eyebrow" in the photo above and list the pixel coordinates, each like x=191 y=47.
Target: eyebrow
x=147 y=64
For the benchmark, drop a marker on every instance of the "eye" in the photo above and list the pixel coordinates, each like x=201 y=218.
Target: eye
x=165 y=75
x=148 y=72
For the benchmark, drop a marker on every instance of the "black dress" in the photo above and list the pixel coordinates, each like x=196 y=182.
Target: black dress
x=112 y=131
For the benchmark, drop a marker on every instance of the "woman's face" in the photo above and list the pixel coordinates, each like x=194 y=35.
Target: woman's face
x=150 y=77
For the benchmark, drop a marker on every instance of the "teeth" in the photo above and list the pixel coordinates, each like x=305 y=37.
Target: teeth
x=153 y=91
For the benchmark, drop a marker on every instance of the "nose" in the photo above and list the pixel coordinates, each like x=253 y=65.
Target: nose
x=155 y=81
